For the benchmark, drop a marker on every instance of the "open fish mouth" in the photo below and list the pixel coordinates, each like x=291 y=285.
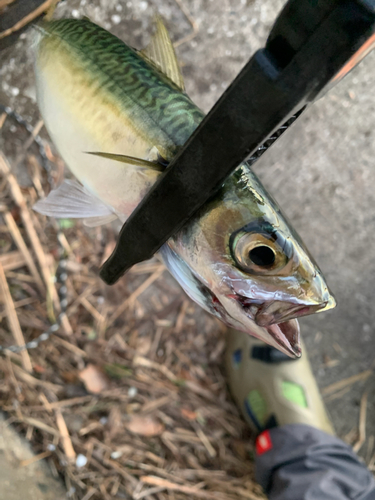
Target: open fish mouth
x=279 y=319
x=278 y=312
x=285 y=332
x=287 y=336
x=284 y=335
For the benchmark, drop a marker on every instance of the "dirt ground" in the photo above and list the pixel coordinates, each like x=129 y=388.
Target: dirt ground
x=321 y=172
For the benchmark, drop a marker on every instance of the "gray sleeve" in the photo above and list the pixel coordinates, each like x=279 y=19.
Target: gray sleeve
x=299 y=462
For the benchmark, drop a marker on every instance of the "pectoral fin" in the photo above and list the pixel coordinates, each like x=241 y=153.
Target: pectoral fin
x=72 y=200
x=129 y=160
x=160 y=52
x=100 y=220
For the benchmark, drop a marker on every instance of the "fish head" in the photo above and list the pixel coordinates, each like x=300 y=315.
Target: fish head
x=255 y=272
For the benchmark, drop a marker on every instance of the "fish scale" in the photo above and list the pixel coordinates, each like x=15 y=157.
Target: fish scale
x=135 y=84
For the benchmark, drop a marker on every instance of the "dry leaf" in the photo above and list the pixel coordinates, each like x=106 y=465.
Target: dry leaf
x=114 y=424
x=39 y=369
x=143 y=346
x=190 y=415
x=70 y=377
x=94 y=379
x=144 y=426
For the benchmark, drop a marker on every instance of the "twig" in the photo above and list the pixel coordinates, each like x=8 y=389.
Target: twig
x=155 y=343
x=198 y=389
x=148 y=492
x=17 y=237
x=89 y=494
x=337 y=395
x=88 y=291
x=24 y=302
x=101 y=325
x=12 y=260
x=104 y=492
x=45 y=402
x=29 y=379
x=189 y=490
x=133 y=297
x=181 y=316
x=193 y=23
x=91 y=309
x=205 y=441
x=10 y=371
x=64 y=243
x=41 y=425
x=362 y=423
x=115 y=487
x=3 y=116
x=64 y=403
x=38 y=127
x=51 y=10
x=151 y=406
x=337 y=386
x=13 y=322
x=182 y=436
x=147 y=363
x=37 y=458
x=27 y=19
x=30 y=140
x=70 y=347
x=121 y=470
x=4 y=3
x=246 y=494
x=34 y=167
x=35 y=242
x=19 y=276
x=90 y=428
x=66 y=441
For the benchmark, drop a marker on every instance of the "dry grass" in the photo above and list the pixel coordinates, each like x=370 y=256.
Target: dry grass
x=18 y=16
x=133 y=402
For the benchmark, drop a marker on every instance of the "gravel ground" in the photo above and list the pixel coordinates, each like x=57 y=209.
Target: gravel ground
x=321 y=171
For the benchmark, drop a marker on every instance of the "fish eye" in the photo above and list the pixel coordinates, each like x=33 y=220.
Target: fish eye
x=259 y=250
x=262 y=256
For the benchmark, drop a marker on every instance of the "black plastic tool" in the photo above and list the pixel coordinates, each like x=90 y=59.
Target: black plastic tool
x=313 y=43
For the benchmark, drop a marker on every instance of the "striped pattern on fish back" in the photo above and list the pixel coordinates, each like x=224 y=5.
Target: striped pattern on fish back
x=167 y=115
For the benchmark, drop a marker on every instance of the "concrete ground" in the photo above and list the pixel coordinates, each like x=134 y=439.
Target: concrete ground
x=322 y=172
x=21 y=476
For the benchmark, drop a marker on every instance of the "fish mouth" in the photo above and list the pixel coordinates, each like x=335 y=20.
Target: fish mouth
x=279 y=319
x=275 y=312
x=287 y=337
x=284 y=334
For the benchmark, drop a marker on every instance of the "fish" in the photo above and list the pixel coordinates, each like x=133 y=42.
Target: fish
x=118 y=116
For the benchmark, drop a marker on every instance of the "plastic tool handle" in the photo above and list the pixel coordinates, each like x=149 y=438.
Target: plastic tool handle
x=269 y=89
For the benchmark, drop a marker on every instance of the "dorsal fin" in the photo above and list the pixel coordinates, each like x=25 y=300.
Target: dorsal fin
x=160 y=52
x=129 y=160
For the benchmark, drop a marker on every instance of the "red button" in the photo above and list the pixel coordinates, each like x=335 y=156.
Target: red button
x=263 y=443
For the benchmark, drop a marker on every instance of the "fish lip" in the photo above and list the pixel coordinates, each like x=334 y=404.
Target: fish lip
x=287 y=336
x=267 y=315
